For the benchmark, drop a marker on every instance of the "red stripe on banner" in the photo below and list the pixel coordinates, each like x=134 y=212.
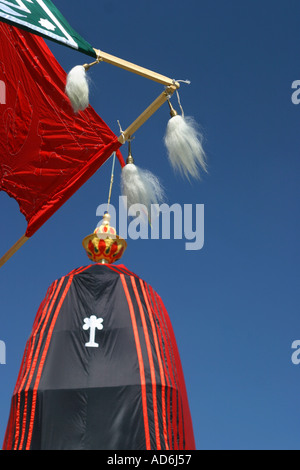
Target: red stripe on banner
x=140 y=359
x=172 y=370
x=161 y=369
x=26 y=358
x=29 y=369
x=120 y=269
x=48 y=295
x=13 y=413
x=30 y=341
x=114 y=268
x=126 y=271
x=80 y=270
x=42 y=361
x=35 y=359
x=166 y=365
x=175 y=381
x=177 y=363
x=152 y=368
x=23 y=365
x=8 y=438
x=189 y=433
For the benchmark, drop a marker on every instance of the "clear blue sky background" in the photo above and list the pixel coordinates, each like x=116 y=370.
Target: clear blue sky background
x=234 y=305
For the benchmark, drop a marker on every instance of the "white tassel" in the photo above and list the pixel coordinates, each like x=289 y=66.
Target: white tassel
x=141 y=187
x=77 y=88
x=184 y=145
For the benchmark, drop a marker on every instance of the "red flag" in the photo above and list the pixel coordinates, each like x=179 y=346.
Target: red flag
x=46 y=151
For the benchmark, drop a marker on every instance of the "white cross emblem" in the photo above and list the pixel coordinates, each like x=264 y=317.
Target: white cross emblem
x=92 y=324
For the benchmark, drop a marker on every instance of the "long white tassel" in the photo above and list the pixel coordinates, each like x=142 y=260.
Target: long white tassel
x=77 y=88
x=141 y=187
x=183 y=141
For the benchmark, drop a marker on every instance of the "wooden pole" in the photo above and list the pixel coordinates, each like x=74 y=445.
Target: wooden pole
x=13 y=250
x=130 y=67
x=147 y=113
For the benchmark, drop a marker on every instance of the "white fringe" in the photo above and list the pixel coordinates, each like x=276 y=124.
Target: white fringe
x=77 y=88
x=184 y=145
x=141 y=187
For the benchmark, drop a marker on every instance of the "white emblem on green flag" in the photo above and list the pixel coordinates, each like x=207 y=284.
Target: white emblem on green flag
x=43 y=18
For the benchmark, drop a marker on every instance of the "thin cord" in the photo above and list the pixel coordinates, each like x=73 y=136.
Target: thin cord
x=188 y=82
x=111 y=181
x=178 y=97
x=122 y=132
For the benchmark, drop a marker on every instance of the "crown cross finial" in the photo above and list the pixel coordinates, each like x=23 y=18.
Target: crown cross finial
x=104 y=245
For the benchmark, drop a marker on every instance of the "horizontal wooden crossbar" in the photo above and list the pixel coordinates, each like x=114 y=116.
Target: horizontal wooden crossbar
x=137 y=69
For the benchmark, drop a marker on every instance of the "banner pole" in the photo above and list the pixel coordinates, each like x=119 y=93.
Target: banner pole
x=147 y=113
x=13 y=250
x=137 y=69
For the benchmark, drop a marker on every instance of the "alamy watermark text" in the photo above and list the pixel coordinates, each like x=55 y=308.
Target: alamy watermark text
x=2 y=352
x=161 y=221
x=296 y=353
x=296 y=93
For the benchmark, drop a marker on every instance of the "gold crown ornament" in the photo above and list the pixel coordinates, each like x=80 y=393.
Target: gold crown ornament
x=104 y=245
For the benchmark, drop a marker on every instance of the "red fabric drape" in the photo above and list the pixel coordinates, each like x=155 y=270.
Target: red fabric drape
x=46 y=151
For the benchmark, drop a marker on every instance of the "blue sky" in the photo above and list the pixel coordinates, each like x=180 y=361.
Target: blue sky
x=234 y=304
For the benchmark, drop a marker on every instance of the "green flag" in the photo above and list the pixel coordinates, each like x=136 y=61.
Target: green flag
x=43 y=18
